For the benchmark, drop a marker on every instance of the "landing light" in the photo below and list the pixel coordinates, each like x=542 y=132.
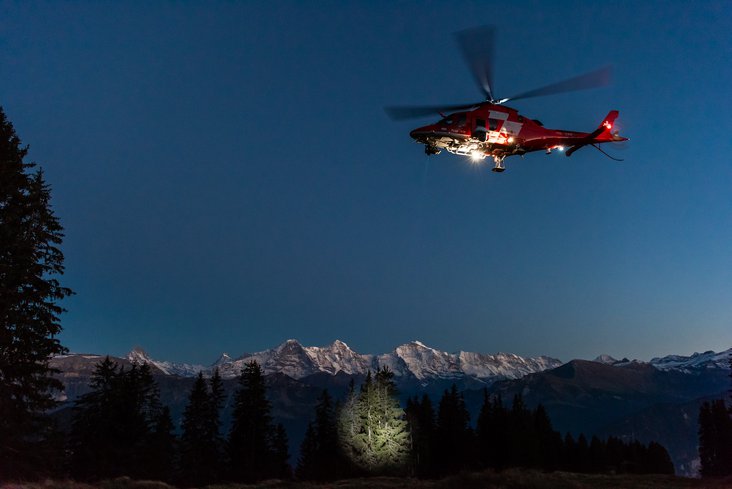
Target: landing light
x=476 y=156
x=510 y=140
x=560 y=148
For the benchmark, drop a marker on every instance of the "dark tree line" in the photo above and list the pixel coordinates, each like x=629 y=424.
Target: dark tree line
x=515 y=436
x=30 y=262
x=120 y=428
x=715 y=437
x=441 y=441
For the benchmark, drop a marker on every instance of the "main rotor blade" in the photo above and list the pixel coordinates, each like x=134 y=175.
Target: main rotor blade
x=477 y=45
x=403 y=112
x=593 y=79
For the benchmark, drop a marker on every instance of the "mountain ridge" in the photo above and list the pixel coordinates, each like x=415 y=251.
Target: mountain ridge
x=413 y=360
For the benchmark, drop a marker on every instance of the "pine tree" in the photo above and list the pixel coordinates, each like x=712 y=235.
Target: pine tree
x=659 y=461
x=250 y=439
x=323 y=458
x=281 y=454
x=715 y=439
x=582 y=461
x=453 y=433
x=374 y=433
x=569 y=454
x=485 y=431
x=327 y=435
x=200 y=457
x=549 y=441
x=160 y=459
x=392 y=435
x=30 y=261
x=113 y=424
x=348 y=427
x=498 y=454
x=520 y=448
x=420 y=417
x=216 y=404
x=307 y=463
x=597 y=455
x=93 y=425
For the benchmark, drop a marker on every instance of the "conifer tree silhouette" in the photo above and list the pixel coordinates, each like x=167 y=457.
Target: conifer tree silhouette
x=200 y=456
x=113 y=424
x=715 y=439
x=161 y=449
x=93 y=425
x=307 y=463
x=323 y=459
x=281 y=454
x=30 y=262
x=454 y=437
x=420 y=417
x=250 y=439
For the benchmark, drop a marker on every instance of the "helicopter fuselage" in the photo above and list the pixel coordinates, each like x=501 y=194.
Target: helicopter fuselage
x=499 y=131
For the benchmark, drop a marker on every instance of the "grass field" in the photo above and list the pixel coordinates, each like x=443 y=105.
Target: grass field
x=509 y=479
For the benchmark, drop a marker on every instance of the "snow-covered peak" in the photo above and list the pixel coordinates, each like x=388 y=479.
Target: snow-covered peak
x=503 y=365
x=423 y=361
x=694 y=362
x=224 y=358
x=606 y=359
x=338 y=357
x=413 y=359
x=138 y=356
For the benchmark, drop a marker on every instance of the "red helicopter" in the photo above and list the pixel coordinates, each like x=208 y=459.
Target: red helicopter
x=490 y=128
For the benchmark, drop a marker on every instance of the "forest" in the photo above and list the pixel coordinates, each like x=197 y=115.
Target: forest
x=120 y=428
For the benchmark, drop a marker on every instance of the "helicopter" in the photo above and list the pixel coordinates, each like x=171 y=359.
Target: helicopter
x=492 y=129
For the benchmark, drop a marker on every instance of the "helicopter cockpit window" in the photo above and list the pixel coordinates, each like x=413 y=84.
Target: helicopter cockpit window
x=454 y=120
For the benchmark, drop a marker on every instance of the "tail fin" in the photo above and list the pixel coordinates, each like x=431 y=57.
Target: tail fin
x=604 y=129
x=610 y=119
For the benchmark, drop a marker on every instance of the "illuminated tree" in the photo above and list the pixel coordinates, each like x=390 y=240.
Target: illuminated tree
x=373 y=430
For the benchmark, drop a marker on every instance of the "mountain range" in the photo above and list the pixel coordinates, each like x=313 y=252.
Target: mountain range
x=655 y=400
x=410 y=360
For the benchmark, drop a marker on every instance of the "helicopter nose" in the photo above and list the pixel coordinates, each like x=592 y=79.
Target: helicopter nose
x=420 y=131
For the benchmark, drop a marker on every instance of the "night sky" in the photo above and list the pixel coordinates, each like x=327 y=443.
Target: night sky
x=228 y=179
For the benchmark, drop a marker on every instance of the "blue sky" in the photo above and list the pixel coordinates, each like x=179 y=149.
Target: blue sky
x=227 y=177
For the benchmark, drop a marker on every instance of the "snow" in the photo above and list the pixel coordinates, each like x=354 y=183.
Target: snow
x=413 y=359
x=139 y=356
x=694 y=362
